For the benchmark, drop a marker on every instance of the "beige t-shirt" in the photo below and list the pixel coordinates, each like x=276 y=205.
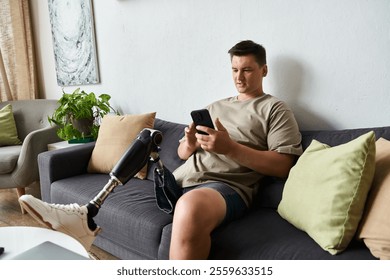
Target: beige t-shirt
x=262 y=123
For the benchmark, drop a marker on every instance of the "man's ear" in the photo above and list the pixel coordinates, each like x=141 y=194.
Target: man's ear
x=265 y=70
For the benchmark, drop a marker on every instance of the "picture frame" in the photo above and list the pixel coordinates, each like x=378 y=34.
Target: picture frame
x=74 y=45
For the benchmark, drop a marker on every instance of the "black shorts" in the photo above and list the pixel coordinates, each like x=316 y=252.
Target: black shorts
x=235 y=205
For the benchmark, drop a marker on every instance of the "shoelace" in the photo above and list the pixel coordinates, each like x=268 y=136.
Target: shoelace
x=69 y=207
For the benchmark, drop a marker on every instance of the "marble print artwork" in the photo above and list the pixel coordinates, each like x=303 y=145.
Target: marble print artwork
x=74 y=42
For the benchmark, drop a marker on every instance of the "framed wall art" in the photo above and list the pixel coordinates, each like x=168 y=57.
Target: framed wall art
x=75 y=55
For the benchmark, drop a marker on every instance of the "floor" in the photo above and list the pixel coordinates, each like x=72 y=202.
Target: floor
x=10 y=215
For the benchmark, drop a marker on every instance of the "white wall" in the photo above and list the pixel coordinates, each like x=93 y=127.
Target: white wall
x=328 y=59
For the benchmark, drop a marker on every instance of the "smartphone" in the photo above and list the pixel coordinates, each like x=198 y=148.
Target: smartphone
x=202 y=117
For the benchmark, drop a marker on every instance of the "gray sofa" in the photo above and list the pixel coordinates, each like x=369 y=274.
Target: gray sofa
x=134 y=227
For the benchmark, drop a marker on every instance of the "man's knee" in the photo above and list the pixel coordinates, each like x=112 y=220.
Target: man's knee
x=189 y=205
x=201 y=207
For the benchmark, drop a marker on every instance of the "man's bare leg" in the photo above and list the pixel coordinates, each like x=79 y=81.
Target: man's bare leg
x=197 y=213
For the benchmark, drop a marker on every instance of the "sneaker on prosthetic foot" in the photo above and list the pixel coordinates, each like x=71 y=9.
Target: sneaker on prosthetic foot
x=70 y=219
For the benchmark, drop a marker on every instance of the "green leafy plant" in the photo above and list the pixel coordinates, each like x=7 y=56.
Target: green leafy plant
x=78 y=115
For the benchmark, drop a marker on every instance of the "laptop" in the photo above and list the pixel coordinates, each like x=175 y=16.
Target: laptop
x=49 y=251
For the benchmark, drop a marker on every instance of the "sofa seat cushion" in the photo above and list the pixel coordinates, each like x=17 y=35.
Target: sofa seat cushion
x=269 y=193
x=8 y=158
x=129 y=217
x=263 y=235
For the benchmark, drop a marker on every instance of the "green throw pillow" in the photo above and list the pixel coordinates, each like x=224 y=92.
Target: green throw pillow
x=326 y=191
x=8 y=132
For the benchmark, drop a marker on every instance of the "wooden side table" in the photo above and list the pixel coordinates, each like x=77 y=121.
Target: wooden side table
x=60 y=145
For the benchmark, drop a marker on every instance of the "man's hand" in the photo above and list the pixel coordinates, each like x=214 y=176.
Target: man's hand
x=217 y=141
x=189 y=144
x=189 y=136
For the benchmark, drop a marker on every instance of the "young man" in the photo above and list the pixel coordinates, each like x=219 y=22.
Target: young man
x=255 y=135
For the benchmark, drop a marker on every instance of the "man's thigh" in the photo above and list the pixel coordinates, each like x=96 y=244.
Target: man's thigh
x=234 y=205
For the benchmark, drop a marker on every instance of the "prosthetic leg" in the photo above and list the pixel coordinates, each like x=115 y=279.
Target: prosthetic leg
x=77 y=221
x=144 y=147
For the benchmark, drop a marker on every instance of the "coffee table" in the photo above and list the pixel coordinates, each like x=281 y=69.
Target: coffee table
x=17 y=239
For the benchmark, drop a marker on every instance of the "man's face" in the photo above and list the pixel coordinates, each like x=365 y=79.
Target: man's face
x=248 y=75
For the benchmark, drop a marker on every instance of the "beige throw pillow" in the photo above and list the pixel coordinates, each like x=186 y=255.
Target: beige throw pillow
x=375 y=225
x=116 y=133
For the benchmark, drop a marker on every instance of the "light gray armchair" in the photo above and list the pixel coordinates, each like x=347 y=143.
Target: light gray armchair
x=18 y=163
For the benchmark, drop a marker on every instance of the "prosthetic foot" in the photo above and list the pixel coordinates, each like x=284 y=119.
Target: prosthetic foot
x=69 y=219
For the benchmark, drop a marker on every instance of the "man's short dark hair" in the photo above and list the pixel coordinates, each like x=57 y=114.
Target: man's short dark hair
x=249 y=47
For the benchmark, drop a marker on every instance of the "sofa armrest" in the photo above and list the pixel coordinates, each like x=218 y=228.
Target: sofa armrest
x=26 y=170
x=63 y=163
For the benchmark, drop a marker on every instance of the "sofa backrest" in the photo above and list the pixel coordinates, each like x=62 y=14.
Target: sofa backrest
x=337 y=137
x=31 y=115
x=172 y=133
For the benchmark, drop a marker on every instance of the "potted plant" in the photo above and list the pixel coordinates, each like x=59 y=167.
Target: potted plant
x=78 y=115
